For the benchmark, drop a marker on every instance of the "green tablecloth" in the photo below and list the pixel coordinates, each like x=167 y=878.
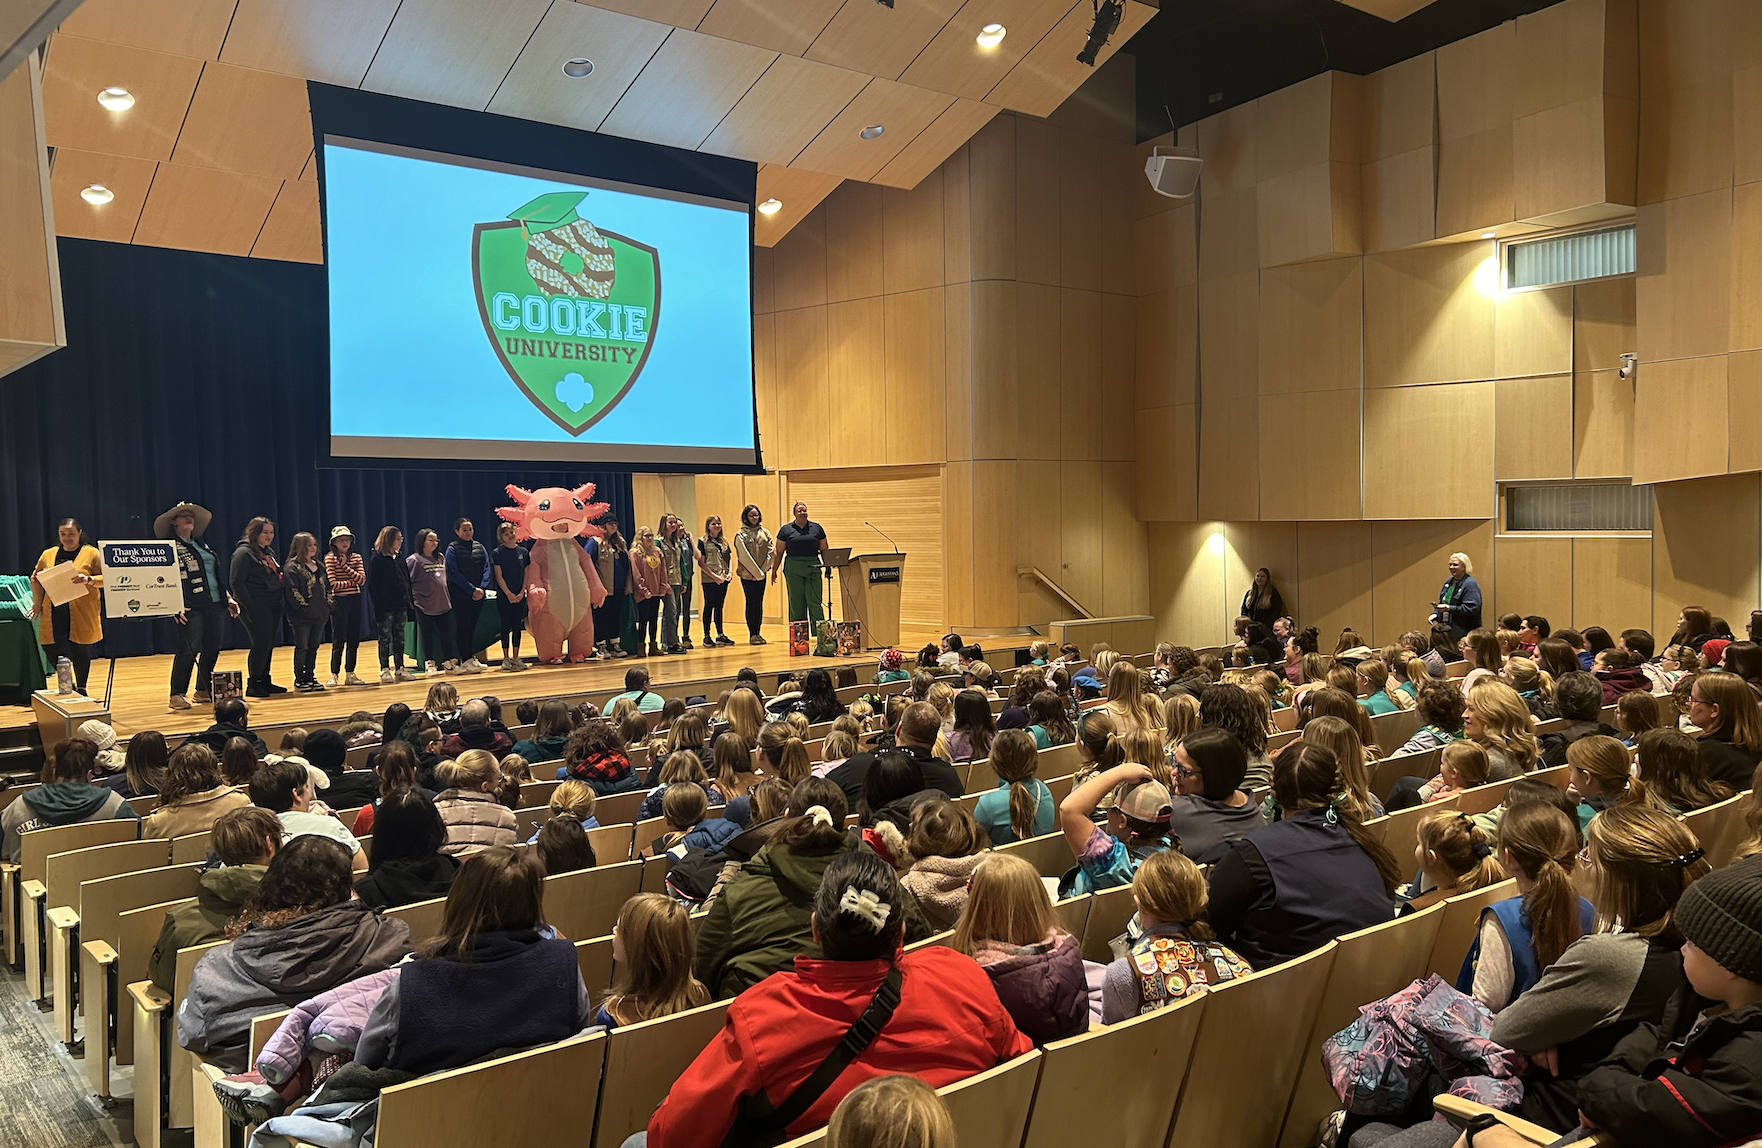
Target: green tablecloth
x=23 y=662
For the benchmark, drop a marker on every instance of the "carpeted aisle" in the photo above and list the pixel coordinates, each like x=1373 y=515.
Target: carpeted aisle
x=43 y=1097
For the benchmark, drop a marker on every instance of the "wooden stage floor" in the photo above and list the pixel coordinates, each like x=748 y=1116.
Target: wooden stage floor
x=138 y=699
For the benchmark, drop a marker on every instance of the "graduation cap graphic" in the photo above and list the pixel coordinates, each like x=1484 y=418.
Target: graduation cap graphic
x=551 y=210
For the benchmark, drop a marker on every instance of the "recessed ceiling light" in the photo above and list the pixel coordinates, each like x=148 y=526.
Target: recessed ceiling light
x=578 y=68
x=771 y=206
x=991 y=35
x=97 y=195
x=117 y=99
x=1489 y=235
x=873 y=131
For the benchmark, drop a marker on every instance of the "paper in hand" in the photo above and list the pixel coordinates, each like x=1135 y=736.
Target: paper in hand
x=57 y=582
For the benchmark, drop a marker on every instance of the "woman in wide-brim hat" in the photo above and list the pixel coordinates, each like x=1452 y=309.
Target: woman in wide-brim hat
x=208 y=602
x=165 y=525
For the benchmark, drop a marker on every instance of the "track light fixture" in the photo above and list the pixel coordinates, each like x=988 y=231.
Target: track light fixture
x=1107 y=22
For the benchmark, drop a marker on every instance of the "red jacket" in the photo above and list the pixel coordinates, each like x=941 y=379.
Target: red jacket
x=949 y=1025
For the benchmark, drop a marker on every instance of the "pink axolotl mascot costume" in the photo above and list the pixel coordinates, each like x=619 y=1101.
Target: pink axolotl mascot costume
x=562 y=585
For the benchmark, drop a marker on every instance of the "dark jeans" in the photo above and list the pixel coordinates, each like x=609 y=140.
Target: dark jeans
x=754 y=589
x=648 y=613
x=262 y=626
x=466 y=610
x=608 y=619
x=715 y=594
x=61 y=625
x=345 y=631
x=391 y=639
x=198 y=647
x=436 y=631
x=1404 y=795
x=513 y=616
x=306 y=639
x=685 y=609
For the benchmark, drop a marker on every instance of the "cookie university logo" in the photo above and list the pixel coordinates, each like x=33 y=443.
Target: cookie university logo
x=571 y=310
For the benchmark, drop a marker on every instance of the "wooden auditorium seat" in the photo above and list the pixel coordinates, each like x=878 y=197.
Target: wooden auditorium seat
x=1157 y=1046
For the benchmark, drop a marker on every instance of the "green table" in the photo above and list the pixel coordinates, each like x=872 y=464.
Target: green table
x=23 y=663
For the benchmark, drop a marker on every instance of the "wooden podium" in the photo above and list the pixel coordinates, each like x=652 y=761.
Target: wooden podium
x=869 y=588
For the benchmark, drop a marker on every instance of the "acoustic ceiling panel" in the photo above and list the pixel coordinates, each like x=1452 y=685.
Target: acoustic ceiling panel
x=193 y=28
x=782 y=25
x=291 y=231
x=686 y=89
x=1050 y=72
x=619 y=47
x=781 y=114
x=128 y=180
x=245 y=120
x=200 y=209
x=880 y=40
x=954 y=62
x=329 y=40
x=900 y=110
x=452 y=51
x=77 y=70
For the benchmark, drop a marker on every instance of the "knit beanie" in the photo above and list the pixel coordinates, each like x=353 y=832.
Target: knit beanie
x=1722 y=914
x=98 y=733
x=1713 y=651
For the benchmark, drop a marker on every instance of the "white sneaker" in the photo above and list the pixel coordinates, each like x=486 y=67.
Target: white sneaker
x=431 y=667
x=405 y=676
x=334 y=681
x=472 y=666
x=351 y=680
x=386 y=678
x=178 y=702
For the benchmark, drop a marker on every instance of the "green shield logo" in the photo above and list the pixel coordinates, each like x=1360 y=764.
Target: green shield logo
x=570 y=310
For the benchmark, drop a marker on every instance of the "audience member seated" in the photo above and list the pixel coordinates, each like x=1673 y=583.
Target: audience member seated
x=1440 y=707
x=1309 y=877
x=1229 y=708
x=1689 y=1080
x=475 y=732
x=1725 y=708
x=1174 y=954
x=65 y=797
x=301 y=934
x=892 y=792
x=1496 y=719
x=689 y=732
x=1453 y=856
x=550 y=734
x=945 y=846
x=496 y=977
x=143 y=766
x=285 y=789
x=891 y=1112
x=1050 y=721
x=1338 y=736
x=562 y=847
x=245 y=840
x=636 y=689
x=687 y=824
x=349 y=788
x=682 y=767
x=1523 y=935
x=395 y=769
x=1635 y=713
x=596 y=754
x=1579 y=699
x=1373 y=687
x=1533 y=684
x=1127 y=702
x=231 y=719
x=761 y=921
x=1209 y=805
x=1021 y=806
x=1480 y=649
x=406 y=864
x=238 y=764
x=1139 y=814
x=919 y=724
x=1036 y=967
x=442 y=707
x=1462 y=765
x=191 y=795
x=947 y=1023
x=651 y=953
x=1599 y=773
x=974 y=727
x=1670 y=768
x=1618 y=674
x=468 y=804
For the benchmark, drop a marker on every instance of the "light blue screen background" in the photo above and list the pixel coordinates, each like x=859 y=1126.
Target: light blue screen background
x=408 y=353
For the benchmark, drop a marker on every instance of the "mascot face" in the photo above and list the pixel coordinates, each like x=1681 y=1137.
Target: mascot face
x=552 y=512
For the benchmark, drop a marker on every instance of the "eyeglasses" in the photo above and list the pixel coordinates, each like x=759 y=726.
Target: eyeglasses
x=1179 y=772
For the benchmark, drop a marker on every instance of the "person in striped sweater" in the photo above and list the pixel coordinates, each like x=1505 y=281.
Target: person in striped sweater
x=347 y=575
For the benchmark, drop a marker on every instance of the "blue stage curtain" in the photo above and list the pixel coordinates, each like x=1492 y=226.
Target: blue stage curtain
x=200 y=377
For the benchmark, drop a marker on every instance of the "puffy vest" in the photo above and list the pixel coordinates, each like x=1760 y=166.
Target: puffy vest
x=1324 y=885
x=1525 y=972
x=1170 y=968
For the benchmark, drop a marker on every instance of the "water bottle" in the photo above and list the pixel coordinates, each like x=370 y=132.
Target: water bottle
x=63 y=675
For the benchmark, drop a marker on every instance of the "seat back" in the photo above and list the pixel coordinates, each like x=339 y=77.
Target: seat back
x=1462 y=918
x=64 y=873
x=1058 y=760
x=1154 y=1047
x=537 y=794
x=990 y=1110
x=619 y=808
x=137 y=932
x=1073 y=913
x=191 y=847
x=981 y=778
x=642 y=1062
x=1711 y=827
x=1108 y=913
x=262 y=1028
x=1387 y=771
x=1393 y=729
x=1252 y=1029
x=103 y=900
x=611 y=843
x=542 y=1096
x=595 y=959
x=1400 y=830
x=1049 y=853
x=585 y=903
x=182 y=1069
x=423 y=917
x=36 y=847
x=1368 y=965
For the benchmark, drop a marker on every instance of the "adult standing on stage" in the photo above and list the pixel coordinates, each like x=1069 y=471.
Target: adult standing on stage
x=207 y=601
x=1459 y=601
x=687 y=565
x=71 y=630
x=714 y=559
x=467 y=575
x=667 y=538
x=799 y=546
x=346 y=574
x=613 y=617
x=752 y=557
x=257 y=584
x=306 y=599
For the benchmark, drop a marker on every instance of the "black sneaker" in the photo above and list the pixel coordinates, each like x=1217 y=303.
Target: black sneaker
x=275 y=689
x=724 y=640
x=259 y=692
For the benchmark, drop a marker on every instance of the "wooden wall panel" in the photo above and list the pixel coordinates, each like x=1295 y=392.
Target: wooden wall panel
x=1229 y=341
x=1311 y=318
x=916 y=383
x=1167 y=464
x=957 y=216
x=1037 y=202
x=1686 y=569
x=1743 y=372
x=799 y=264
x=1083 y=541
x=804 y=409
x=1532 y=333
x=1685 y=140
x=1576 y=109
x=1309 y=445
x=1746 y=125
x=1475 y=182
x=1676 y=402
x=1400 y=152
x=765 y=386
x=1309 y=214
x=1603 y=324
x=1226 y=142
x=1334 y=577
x=764 y=281
x=1166 y=247
x=854 y=241
x=1400 y=200
x=1428 y=315
x=912 y=257
x=995 y=407
x=1410 y=561
x=856 y=396
x=1682 y=289
x=1456 y=424
x=904 y=502
x=994 y=543
x=1079 y=413
x=1294 y=127
x=1529 y=416
x=991 y=168
x=1612 y=584
x=1188 y=594
x=1037 y=371
x=1746 y=267
x=1167 y=337
x=1040 y=540
x=1119 y=368
x=957 y=537
x=1229 y=458
x=1476 y=77
x=1535 y=577
x=1227 y=235
x=1400 y=108
x=1602 y=425
x=1082 y=179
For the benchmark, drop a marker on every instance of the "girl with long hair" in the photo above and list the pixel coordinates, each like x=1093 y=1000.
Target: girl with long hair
x=1600 y=775
x=192 y=793
x=1051 y=722
x=1036 y=967
x=783 y=754
x=1725 y=708
x=974 y=727
x=1533 y=684
x=1521 y=936
x=1497 y=719
x=651 y=951
x=1177 y=953
x=404 y=860
x=1340 y=737
x=1021 y=806
x=1670 y=768
x=1230 y=708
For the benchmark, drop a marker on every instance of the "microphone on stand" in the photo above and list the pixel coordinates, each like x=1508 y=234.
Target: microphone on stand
x=883 y=534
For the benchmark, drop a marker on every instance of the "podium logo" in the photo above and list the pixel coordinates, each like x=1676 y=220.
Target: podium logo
x=570 y=310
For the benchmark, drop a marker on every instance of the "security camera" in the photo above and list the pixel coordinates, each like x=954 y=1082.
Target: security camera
x=1629 y=364
x=1173 y=172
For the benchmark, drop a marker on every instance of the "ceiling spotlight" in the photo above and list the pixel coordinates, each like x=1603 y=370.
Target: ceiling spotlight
x=578 y=68
x=117 y=99
x=1107 y=22
x=771 y=206
x=873 y=131
x=1489 y=235
x=991 y=35
x=97 y=195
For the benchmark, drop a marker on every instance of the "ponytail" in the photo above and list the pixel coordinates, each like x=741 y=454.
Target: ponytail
x=1390 y=870
x=784 y=751
x=1543 y=842
x=817 y=810
x=1015 y=760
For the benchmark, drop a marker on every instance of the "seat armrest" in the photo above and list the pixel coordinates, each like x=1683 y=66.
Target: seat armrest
x=149 y=996
x=99 y=951
x=34 y=890
x=1461 y=1111
x=62 y=917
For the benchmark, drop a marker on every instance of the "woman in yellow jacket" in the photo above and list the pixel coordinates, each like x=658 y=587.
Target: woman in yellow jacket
x=72 y=630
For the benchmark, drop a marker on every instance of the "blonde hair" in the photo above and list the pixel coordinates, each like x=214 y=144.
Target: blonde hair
x=474 y=769
x=1525 y=675
x=745 y=714
x=1468 y=760
x=623 y=709
x=1454 y=839
x=1125 y=695
x=732 y=757
x=891 y=1112
x=798 y=724
x=1606 y=760
x=943 y=828
x=575 y=798
x=783 y=750
x=1180 y=717
x=1338 y=736
x=1543 y=843
x=654 y=978
x=1007 y=904
x=1104 y=661
x=441 y=698
x=941 y=695
x=839 y=745
x=1505 y=721
x=1172 y=889
x=1739 y=715
x=1641 y=859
